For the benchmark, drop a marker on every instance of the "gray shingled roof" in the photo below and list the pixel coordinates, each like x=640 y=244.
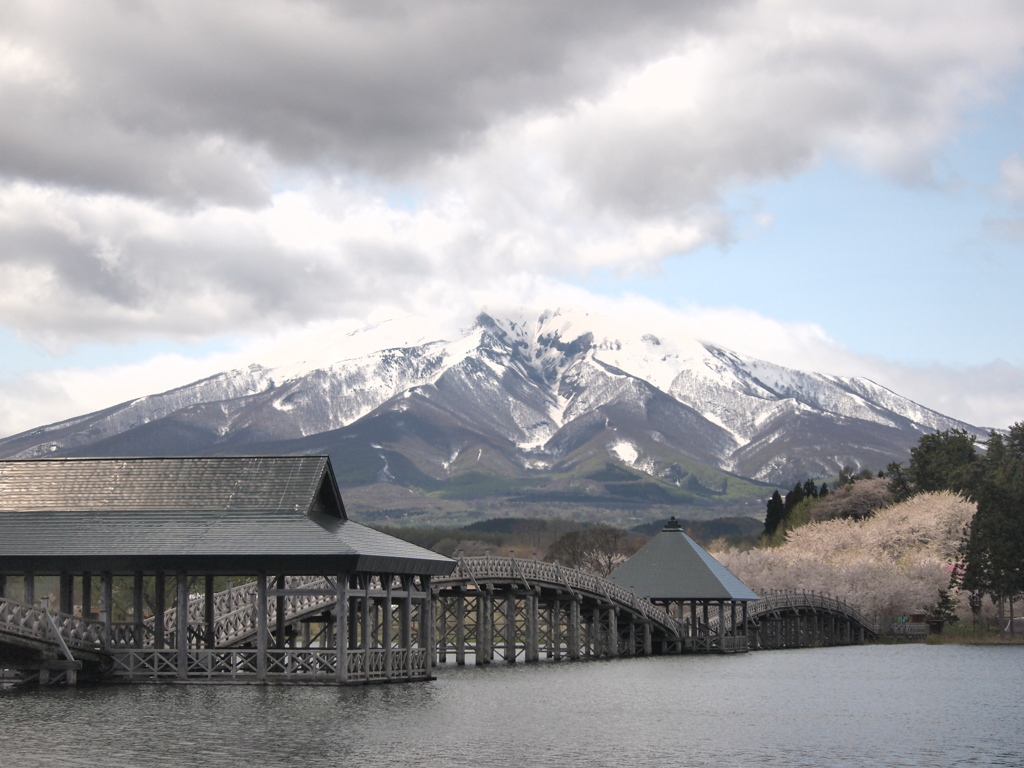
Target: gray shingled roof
x=224 y=515
x=672 y=566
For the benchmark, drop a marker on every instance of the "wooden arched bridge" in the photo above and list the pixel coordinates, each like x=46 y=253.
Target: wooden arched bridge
x=792 y=619
x=521 y=609
x=488 y=608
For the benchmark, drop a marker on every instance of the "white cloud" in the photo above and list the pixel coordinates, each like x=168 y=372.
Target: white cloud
x=305 y=160
x=188 y=170
x=1011 y=177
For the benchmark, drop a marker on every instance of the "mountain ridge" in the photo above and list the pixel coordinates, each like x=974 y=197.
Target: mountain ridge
x=537 y=406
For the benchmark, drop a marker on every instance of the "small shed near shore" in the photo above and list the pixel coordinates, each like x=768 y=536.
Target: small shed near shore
x=257 y=553
x=674 y=571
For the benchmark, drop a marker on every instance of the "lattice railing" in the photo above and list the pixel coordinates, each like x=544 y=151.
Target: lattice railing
x=235 y=608
x=31 y=622
x=242 y=663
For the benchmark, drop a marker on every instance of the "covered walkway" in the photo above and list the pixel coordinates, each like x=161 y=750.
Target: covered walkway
x=127 y=546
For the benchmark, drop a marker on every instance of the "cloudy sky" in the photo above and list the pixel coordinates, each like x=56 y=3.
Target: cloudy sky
x=831 y=185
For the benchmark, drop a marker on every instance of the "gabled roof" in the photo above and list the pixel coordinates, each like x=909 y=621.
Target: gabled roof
x=233 y=514
x=271 y=483
x=672 y=566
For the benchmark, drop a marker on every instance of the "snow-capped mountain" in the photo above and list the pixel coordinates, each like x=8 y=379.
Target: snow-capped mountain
x=559 y=406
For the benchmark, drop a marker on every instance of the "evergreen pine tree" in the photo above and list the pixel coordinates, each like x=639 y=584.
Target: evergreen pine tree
x=775 y=514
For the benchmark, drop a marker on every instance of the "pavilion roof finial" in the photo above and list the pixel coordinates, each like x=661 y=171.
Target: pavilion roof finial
x=672 y=525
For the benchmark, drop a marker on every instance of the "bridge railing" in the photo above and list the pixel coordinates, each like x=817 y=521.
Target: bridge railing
x=509 y=569
x=31 y=622
x=235 y=608
x=794 y=599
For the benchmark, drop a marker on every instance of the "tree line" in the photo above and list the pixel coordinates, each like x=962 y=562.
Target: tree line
x=801 y=505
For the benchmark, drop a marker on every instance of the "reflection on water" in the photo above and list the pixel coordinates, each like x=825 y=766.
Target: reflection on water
x=864 y=706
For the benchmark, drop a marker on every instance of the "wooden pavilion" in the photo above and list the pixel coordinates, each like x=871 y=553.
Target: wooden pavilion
x=243 y=569
x=674 y=571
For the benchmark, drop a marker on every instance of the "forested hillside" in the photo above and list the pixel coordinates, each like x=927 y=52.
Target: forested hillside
x=952 y=520
x=892 y=563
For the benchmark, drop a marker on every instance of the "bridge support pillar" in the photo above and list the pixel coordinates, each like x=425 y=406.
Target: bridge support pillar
x=612 y=635
x=66 y=593
x=428 y=640
x=138 y=619
x=460 y=628
x=443 y=610
x=555 y=627
x=532 y=640
x=721 y=625
x=159 y=606
x=386 y=626
x=693 y=623
x=341 y=640
x=209 y=610
x=181 y=623
x=574 y=629
x=405 y=623
x=510 y=628
x=279 y=622
x=106 y=605
x=365 y=626
x=484 y=627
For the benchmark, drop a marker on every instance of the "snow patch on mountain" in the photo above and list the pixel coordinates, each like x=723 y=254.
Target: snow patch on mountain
x=626 y=452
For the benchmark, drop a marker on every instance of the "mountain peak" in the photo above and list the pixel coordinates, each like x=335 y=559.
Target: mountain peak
x=531 y=392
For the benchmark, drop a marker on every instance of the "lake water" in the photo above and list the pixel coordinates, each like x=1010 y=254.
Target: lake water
x=910 y=705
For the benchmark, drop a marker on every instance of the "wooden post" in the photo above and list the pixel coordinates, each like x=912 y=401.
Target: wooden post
x=745 y=625
x=483 y=628
x=386 y=639
x=693 y=622
x=353 y=614
x=262 y=627
x=210 y=635
x=707 y=628
x=574 y=629
x=405 y=625
x=279 y=617
x=556 y=630
x=66 y=593
x=106 y=605
x=159 y=606
x=613 y=632
x=365 y=626
x=428 y=610
x=138 y=627
x=532 y=639
x=181 y=634
x=341 y=645
x=510 y=628
x=460 y=627
x=28 y=583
